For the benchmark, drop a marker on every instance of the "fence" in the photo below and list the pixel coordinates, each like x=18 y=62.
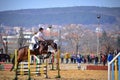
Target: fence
x=29 y=67
x=114 y=68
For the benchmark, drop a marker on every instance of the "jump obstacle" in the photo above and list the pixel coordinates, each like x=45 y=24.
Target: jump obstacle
x=114 y=68
x=29 y=67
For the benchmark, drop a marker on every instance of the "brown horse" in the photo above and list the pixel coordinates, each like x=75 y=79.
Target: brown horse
x=22 y=53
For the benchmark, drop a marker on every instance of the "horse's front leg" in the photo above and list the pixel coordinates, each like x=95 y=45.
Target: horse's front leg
x=48 y=55
x=40 y=50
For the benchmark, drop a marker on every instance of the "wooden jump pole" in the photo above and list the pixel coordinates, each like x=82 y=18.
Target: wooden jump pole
x=58 y=64
x=36 y=63
x=29 y=78
x=116 y=70
x=46 y=68
x=21 y=69
x=58 y=55
x=52 y=61
x=15 y=65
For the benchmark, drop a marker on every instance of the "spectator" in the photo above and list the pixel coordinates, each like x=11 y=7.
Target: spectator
x=72 y=57
x=84 y=59
x=67 y=56
x=110 y=57
x=88 y=58
x=62 y=57
x=96 y=60
x=104 y=58
x=79 y=60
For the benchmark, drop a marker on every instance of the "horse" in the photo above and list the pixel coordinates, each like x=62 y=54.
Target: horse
x=22 y=53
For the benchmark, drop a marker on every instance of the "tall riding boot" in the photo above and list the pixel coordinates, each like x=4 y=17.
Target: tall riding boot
x=35 y=45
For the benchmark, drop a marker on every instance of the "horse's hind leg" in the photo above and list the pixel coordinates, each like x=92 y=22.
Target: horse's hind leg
x=13 y=63
x=12 y=68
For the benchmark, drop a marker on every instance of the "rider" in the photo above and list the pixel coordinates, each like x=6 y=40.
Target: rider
x=39 y=36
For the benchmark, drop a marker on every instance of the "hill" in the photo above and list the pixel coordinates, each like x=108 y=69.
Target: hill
x=85 y=15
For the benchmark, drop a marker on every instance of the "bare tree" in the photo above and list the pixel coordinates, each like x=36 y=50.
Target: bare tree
x=89 y=41
x=74 y=35
x=21 y=39
x=107 y=42
x=117 y=36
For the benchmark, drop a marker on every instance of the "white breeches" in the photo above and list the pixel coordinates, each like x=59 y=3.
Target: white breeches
x=32 y=43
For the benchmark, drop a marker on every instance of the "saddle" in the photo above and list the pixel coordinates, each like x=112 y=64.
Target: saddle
x=41 y=46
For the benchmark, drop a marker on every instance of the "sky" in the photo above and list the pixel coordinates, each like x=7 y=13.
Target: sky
x=33 y=4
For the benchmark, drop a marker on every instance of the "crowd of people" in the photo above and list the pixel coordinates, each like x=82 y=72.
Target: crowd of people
x=90 y=58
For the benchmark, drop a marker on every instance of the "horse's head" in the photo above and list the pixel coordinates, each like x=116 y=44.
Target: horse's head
x=52 y=44
x=43 y=46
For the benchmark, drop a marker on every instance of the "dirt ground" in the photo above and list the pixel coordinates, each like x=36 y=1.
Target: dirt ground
x=67 y=72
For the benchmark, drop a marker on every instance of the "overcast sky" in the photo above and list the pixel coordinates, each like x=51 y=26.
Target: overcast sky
x=30 y=4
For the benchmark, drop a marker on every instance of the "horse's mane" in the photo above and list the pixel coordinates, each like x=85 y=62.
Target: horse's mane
x=49 y=41
x=22 y=47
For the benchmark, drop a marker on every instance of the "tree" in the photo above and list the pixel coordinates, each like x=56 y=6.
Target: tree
x=21 y=39
x=89 y=42
x=117 y=34
x=74 y=35
x=118 y=42
x=106 y=42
